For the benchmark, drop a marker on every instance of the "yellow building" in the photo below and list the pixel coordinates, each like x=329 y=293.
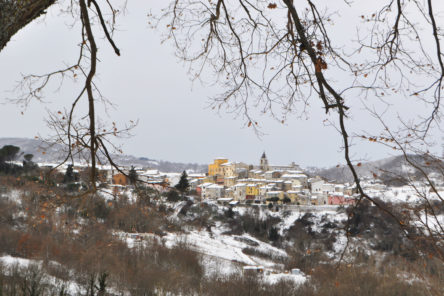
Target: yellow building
x=251 y=191
x=120 y=179
x=215 y=168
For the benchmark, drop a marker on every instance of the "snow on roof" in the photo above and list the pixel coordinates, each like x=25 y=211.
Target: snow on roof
x=266 y=187
x=295 y=176
x=215 y=186
x=150 y=172
x=154 y=182
x=336 y=193
x=315 y=180
x=295 y=172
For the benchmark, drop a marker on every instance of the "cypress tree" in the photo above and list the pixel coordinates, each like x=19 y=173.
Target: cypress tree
x=132 y=175
x=69 y=174
x=183 y=184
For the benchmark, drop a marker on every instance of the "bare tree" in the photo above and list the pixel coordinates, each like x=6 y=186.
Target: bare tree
x=78 y=134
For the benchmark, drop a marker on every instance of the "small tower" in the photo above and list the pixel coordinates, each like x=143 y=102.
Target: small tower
x=264 y=163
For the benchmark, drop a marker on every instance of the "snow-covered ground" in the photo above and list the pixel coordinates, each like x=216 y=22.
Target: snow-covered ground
x=405 y=194
x=20 y=262
x=273 y=278
x=13 y=195
x=222 y=254
x=70 y=287
x=228 y=247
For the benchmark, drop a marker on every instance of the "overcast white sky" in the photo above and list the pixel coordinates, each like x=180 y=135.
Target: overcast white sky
x=148 y=83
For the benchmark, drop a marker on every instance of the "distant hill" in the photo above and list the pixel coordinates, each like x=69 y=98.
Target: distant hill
x=395 y=164
x=44 y=153
x=383 y=168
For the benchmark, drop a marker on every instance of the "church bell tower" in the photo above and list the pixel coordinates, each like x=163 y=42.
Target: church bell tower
x=264 y=163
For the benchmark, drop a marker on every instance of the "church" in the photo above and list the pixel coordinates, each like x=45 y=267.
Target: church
x=265 y=167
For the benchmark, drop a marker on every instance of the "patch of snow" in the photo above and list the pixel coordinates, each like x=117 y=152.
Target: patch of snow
x=216 y=267
x=71 y=287
x=21 y=262
x=273 y=278
x=13 y=195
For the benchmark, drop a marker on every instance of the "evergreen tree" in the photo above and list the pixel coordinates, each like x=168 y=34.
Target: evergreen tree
x=173 y=196
x=102 y=284
x=229 y=213
x=132 y=175
x=69 y=174
x=28 y=157
x=183 y=184
x=28 y=164
x=273 y=234
x=9 y=153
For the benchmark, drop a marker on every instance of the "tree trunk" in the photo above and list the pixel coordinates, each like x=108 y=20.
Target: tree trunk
x=15 y=14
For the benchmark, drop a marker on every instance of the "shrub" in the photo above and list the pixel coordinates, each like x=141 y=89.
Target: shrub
x=229 y=213
x=357 y=280
x=173 y=195
x=273 y=234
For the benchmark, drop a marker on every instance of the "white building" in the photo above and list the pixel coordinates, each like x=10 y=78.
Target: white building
x=316 y=185
x=212 y=191
x=240 y=191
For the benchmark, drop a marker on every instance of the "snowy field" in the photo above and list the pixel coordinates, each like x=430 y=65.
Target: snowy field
x=222 y=254
x=70 y=287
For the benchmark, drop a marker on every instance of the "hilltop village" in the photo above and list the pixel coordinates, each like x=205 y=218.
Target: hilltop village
x=226 y=182
x=237 y=182
x=265 y=183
